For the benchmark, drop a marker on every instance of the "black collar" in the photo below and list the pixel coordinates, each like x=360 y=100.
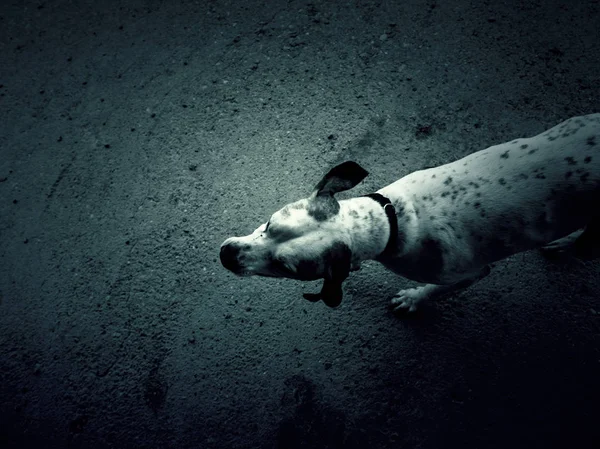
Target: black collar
x=391 y=214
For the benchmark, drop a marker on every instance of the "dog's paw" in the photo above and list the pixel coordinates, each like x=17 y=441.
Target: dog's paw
x=407 y=300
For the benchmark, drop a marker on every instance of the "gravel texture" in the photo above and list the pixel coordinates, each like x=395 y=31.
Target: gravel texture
x=135 y=136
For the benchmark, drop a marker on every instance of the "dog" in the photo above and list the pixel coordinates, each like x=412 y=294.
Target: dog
x=440 y=226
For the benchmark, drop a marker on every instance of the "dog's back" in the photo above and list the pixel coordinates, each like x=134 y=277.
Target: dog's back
x=507 y=198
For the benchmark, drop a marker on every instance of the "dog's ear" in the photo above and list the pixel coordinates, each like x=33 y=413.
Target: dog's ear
x=339 y=178
x=337 y=268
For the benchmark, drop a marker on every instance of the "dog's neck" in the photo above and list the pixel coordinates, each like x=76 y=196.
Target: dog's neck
x=368 y=227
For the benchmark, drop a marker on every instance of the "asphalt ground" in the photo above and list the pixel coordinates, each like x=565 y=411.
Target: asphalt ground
x=135 y=136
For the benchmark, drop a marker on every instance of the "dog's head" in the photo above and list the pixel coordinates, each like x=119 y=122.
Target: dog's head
x=303 y=240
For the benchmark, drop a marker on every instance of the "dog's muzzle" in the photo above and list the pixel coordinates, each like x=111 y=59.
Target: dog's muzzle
x=230 y=258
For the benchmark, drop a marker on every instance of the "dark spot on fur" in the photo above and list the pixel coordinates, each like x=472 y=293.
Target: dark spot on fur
x=371 y=216
x=477 y=205
x=522 y=176
x=502 y=181
x=482 y=213
x=354 y=214
x=323 y=207
x=285 y=212
x=570 y=160
x=568 y=174
x=504 y=155
x=433 y=176
x=432 y=217
x=540 y=176
x=445 y=194
x=584 y=177
x=454 y=214
x=531 y=151
x=448 y=180
x=591 y=141
x=551 y=138
x=524 y=146
x=587 y=159
x=514 y=142
x=478 y=194
x=474 y=184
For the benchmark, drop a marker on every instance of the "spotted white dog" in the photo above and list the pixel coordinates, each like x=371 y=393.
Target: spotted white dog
x=441 y=226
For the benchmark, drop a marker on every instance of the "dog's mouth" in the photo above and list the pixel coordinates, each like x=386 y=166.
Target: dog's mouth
x=248 y=273
x=269 y=275
x=277 y=269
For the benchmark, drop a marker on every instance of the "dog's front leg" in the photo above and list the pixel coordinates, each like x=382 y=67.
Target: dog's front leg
x=407 y=300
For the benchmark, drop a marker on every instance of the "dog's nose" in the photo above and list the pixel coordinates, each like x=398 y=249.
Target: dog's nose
x=229 y=257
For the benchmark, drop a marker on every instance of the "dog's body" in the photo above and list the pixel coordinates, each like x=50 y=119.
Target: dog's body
x=452 y=220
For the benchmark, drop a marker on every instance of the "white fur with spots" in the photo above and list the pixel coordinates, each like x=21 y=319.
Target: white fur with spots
x=453 y=220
